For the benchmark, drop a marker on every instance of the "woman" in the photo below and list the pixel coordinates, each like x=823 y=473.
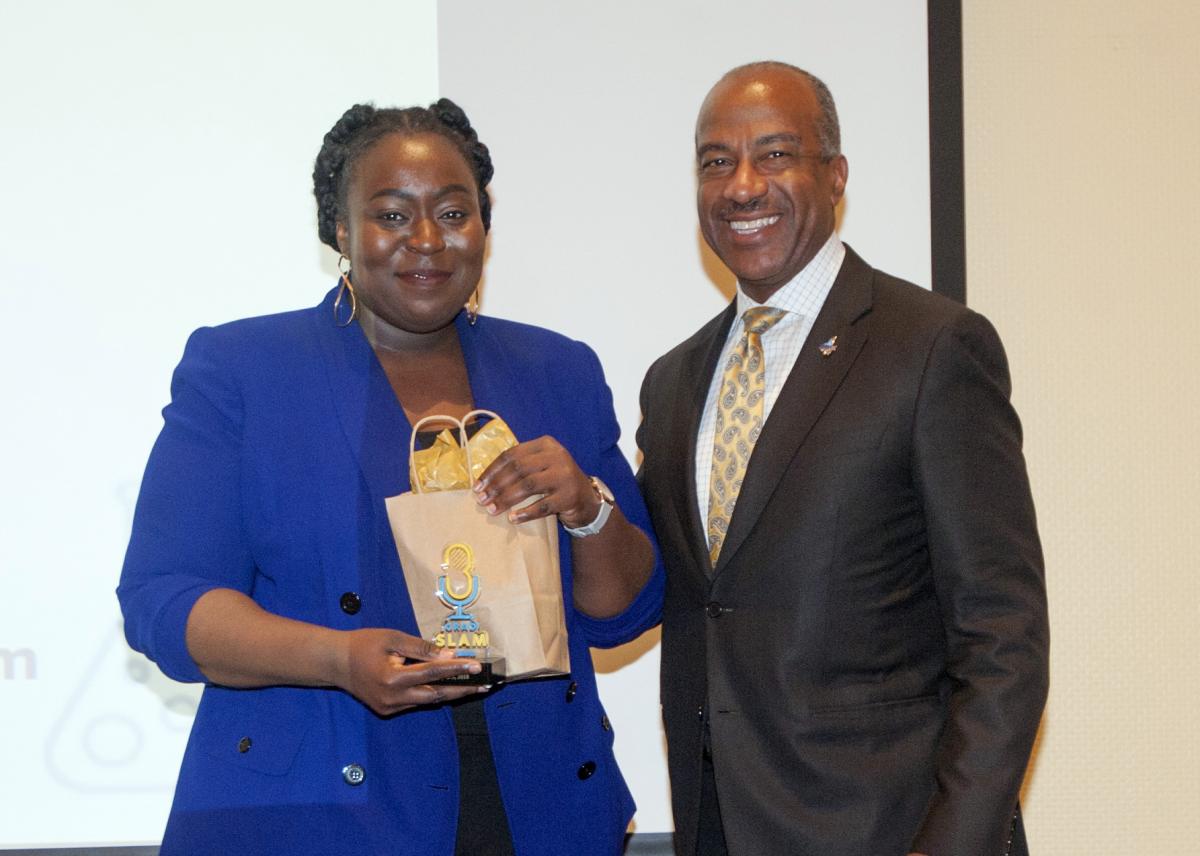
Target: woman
x=262 y=563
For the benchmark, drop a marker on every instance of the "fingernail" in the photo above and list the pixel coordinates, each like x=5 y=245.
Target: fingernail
x=492 y=509
x=513 y=517
x=477 y=487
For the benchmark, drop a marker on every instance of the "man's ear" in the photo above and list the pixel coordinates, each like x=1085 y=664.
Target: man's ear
x=841 y=171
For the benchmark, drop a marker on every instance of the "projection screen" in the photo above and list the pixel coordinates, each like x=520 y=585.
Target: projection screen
x=160 y=159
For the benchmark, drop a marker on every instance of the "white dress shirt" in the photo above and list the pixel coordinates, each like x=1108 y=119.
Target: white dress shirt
x=801 y=299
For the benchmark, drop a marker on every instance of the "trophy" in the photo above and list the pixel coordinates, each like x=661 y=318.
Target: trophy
x=511 y=619
x=461 y=631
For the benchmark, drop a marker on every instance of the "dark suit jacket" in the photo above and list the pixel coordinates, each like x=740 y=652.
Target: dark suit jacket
x=281 y=442
x=870 y=652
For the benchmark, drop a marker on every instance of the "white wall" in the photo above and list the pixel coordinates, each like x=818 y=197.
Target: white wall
x=589 y=110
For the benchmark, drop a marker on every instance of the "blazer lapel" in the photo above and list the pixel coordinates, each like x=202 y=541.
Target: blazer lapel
x=811 y=384
x=377 y=433
x=373 y=421
x=495 y=384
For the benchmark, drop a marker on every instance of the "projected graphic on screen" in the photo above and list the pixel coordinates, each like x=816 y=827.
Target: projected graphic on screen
x=123 y=719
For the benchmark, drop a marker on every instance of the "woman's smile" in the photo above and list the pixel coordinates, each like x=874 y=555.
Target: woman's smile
x=424 y=277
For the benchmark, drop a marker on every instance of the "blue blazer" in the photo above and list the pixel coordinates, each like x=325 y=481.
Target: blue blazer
x=280 y=444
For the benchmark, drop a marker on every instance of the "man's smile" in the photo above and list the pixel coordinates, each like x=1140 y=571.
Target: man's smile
x=748 y=227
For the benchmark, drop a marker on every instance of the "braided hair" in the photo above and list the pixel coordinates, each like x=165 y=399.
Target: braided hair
x=362 y=126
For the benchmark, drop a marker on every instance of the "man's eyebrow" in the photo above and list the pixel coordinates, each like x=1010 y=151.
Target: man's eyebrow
x=711 y=147
x=778 y=138
x=765 y=140
x=400 y=193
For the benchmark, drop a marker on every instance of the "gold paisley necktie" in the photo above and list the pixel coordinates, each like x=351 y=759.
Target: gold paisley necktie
x=739 y=422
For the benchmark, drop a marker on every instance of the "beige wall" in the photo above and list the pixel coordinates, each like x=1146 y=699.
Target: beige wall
x=1082 y=179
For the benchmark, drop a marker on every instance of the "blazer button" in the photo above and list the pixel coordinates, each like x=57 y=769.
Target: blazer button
x=713 y=609
x=586 y=769
x=351 y=603
x=605 y=724
x=571 y=690
x=353 y=774
x=244 y=745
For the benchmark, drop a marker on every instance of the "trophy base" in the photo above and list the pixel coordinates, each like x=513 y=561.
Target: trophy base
x=491 y=672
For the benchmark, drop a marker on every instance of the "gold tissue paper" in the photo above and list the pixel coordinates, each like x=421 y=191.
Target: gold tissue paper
x=443 y=466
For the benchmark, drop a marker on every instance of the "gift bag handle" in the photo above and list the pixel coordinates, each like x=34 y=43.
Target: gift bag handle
x=462 y=442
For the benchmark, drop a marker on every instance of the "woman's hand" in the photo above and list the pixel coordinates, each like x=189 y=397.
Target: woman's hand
x=390 y=671
x=544 y=467
x=611 y=566
x=237 y=643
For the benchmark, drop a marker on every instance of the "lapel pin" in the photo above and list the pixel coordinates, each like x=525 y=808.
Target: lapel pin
x=828 y=347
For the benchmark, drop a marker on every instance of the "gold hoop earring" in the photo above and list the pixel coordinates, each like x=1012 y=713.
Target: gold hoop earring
x=472 y=307
x=344 y=286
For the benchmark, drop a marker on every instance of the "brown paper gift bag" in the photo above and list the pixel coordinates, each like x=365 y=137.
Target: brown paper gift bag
x=479 y=584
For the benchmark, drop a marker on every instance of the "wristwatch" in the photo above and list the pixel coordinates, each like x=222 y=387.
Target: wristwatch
x=606 y=507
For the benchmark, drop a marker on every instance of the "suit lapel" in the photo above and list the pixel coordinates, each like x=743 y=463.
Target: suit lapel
x=697 y=364
x=811 y=384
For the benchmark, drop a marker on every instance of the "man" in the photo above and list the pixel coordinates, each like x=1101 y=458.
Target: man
x=854 y=655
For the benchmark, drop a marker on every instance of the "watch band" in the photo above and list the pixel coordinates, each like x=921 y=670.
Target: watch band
x=606 y=506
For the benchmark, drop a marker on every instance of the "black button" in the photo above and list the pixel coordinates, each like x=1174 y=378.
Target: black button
x=353 y=774
x=571 y=690
x=605 y=724
x=351 y=603
x=714 y=609
x=244 y=745
x=586 y=769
